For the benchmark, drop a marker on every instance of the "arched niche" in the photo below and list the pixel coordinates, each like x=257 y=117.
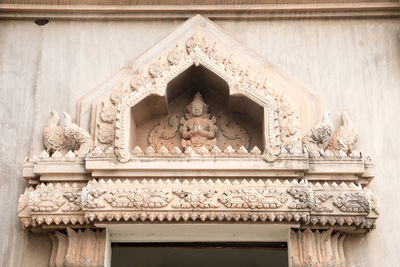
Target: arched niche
x=238 y=118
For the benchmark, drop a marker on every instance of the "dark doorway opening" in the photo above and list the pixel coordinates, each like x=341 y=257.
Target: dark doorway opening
x=200 y=254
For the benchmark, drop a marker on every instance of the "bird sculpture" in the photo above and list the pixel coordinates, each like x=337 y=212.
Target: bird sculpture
x=53 y=135
x=345 y=138
x=80 y=139
x=62 y=139
x=319 y=136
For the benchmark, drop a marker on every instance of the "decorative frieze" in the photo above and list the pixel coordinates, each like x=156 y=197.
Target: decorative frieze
x=306 y=198
x=253 y=199
x=196 y=198
x=205 y=199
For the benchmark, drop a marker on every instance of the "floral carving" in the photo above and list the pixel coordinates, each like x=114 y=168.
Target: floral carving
x=138 y=81
x=175 y=55
x=74 y=200
x=90 y=198
x=183 y=200
x=197 y=41
x=234 y=67
x=288 y=123
x=236 y=134
x=164 y=133
x=353 y=202
x=108 y=112
x=116 y=96
x=138 y=198
x=45 y=199
x=156 y=69
x=195 y=198
x=217 y=55
x=252 y=198
x=106 y=133
x=106 y=128
x=306 y=198
x=197 y=128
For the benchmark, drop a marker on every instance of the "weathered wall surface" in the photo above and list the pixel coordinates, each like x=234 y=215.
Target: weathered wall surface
x=352 y=64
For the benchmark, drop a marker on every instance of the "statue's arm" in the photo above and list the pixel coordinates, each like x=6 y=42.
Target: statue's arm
x=185 y=133
x=209 y=133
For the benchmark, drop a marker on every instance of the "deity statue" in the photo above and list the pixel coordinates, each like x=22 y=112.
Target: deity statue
x=197 y=128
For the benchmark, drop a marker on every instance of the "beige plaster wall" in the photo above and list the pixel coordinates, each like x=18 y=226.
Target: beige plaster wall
x=352 y=64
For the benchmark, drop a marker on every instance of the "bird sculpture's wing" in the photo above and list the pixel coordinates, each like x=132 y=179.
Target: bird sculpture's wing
x=54 y=139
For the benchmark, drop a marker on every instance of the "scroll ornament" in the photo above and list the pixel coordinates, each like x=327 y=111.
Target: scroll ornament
x=106 y=128
x=163 y=135
x=235 y=134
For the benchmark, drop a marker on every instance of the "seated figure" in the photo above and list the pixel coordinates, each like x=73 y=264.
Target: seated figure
x=197 y=128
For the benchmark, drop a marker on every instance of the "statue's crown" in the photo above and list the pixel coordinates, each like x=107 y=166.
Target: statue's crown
x=198 y=98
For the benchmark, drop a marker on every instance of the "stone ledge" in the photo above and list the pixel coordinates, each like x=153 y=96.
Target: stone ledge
x=225 y=11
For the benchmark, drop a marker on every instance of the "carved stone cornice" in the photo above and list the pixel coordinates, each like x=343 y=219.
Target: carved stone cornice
x=231 y=10
x=214 y=163
x=199 y=199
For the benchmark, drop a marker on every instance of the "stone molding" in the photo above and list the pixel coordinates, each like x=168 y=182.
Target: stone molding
x=227 y=11
x=317 y=248
x=181 y=200
x=78 y=248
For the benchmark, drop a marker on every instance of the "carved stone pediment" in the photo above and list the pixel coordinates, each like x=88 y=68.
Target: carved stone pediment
x=198 y=129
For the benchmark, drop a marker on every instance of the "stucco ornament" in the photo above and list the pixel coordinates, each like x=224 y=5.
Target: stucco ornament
x=345 y=138
x=281 y=121
x=62 y=139
x=263 y=200
x=163 y=135
x=318 y=137
x=285 y=173
x=197 y=128
x=317 y=248
x=78 y=248
x=236 y=135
